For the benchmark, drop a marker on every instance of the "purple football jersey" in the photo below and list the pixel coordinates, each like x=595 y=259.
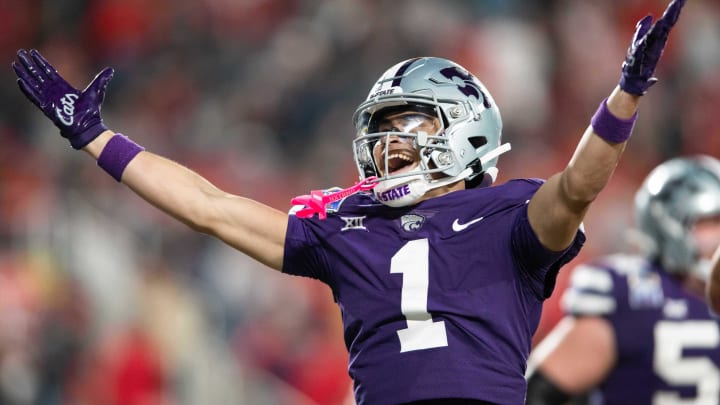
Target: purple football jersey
x=438 y=300
x=668 y=342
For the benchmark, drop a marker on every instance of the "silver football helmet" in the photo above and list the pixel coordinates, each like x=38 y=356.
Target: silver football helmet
x=466 y=146
x=673 y=196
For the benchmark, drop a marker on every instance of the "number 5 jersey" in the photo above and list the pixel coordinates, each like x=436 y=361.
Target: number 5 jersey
x=667 y=341
x=439 y=299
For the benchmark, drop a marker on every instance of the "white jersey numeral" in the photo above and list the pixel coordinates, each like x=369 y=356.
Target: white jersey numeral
x=421 y=332
x=671 y=339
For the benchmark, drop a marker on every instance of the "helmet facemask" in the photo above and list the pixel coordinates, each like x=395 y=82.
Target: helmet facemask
x=405 y=147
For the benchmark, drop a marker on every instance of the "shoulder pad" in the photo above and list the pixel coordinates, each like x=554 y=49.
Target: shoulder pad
x=590 y=292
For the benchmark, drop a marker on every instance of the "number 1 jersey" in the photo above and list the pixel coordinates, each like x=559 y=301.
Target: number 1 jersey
x=439 y=299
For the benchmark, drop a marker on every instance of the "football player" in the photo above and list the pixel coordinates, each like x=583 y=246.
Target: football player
x=440 y=277
x=638 y=329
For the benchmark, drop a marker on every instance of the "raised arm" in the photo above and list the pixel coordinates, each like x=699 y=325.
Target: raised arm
x=559 y=206
x=251 y=227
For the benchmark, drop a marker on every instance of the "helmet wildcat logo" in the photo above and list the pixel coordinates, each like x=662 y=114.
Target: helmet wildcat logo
x=66 y=114
x=470 y=89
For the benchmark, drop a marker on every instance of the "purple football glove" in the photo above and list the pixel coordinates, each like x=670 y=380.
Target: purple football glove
x=75 y=112
x=646 y=48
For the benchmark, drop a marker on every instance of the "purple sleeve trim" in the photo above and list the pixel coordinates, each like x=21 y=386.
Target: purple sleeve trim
x=539 y=265
x=117 y=154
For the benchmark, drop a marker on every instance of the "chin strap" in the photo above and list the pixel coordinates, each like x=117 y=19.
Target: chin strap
x=495 y=153
x=411 y=186
x=317 y=200
x=449 y=180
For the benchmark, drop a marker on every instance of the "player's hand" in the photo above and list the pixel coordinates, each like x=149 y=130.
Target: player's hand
x=75 y=112
x=646 y=48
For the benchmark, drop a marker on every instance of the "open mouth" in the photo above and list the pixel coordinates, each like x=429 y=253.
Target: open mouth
x=400 y=162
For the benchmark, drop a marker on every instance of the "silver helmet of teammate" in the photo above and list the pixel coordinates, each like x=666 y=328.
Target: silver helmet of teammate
x=466 y=146
x=673 y=196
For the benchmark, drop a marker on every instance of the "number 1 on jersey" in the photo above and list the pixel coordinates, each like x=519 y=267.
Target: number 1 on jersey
x=421 y=332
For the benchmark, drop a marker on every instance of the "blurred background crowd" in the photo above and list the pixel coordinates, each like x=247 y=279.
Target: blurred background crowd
x=105 y=300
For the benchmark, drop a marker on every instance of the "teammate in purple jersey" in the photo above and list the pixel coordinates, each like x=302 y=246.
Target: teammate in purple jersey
x=440 y=278
x=638 y=329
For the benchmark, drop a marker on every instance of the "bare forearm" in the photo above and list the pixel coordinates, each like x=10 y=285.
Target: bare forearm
x=559 y=206
x=249 y=226
x=595 y=159
x=167 y=185
x=172 y=188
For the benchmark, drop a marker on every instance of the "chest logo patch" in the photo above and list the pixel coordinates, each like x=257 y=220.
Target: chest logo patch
x=411 y=222
x=353 y=223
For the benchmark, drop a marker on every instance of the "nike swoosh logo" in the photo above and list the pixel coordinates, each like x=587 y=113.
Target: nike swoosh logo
x=457 y=226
